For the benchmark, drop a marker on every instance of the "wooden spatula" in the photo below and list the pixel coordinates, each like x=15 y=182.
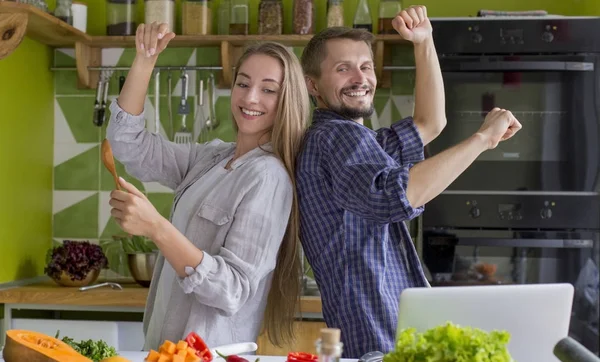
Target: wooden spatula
x=109 y=161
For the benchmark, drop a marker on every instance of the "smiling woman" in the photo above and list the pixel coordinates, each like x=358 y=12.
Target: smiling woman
x=232 y=238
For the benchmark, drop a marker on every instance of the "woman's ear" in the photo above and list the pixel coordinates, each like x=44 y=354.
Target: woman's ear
x=311 y=86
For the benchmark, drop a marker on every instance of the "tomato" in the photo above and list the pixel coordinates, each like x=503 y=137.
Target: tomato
x=200 y=346
x=302 y=357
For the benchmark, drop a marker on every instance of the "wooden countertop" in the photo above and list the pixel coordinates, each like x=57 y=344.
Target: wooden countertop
x=132 y=295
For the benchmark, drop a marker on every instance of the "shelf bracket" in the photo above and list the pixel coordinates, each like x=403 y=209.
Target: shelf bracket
x=85 y=57
x=12 y=31
x=230 y=54
x=381 y=55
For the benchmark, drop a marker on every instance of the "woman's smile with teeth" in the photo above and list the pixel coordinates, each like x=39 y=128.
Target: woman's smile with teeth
x=251 y=113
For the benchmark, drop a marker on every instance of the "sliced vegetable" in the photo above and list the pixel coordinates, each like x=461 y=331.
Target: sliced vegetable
x=171 y=352
x=302 y=357
x=234 y=358
x=200 y=346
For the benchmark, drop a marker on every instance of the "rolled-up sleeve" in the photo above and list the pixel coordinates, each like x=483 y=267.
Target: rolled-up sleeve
x=402 y=142
x=226 y=280
x=147 y=156
x=366 y=180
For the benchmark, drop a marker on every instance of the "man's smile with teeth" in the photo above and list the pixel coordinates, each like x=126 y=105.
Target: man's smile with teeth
x=357 y=93
x=251 y=113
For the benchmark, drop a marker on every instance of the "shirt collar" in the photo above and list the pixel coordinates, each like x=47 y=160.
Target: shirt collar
x=261 y=150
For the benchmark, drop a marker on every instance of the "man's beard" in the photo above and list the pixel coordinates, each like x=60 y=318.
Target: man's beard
x=354 y=112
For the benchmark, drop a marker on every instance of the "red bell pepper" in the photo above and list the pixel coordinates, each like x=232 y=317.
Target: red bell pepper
x=193 y=340
x=301 y=357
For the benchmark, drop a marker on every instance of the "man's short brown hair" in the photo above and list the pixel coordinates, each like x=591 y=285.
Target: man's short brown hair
x=316 y=50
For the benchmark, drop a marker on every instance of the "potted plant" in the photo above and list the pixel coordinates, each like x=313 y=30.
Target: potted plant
x=75 y=263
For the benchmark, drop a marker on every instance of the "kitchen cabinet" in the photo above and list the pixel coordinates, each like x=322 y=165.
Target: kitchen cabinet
x=307 y=332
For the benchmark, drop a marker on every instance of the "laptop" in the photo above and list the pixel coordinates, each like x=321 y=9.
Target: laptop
x=537 y=316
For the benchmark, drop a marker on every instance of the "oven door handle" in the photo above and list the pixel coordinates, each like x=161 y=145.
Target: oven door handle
x=527 y=243
x=507 y=66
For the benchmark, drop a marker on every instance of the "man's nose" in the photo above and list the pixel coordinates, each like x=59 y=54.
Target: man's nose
x=358 y=77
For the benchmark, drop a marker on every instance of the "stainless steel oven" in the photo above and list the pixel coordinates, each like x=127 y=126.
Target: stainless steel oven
x=529 y=210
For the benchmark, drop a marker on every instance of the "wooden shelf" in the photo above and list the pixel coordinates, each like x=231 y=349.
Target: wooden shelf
x=185 y=41
x=49 y=30
x=44 y=27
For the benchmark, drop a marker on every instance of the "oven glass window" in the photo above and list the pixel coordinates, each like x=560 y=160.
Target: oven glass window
x=555 y=150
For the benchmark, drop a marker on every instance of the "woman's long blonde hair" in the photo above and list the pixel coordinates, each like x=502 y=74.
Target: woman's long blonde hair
x=291 y=121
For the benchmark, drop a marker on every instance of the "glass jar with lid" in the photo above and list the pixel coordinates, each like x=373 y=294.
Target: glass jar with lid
x=388 y=9
x=196 y=17
x=362 y=17
x=303 y=16
x=335 y=13
x=270 y=17
x=161 y=11
x=238 y=20
x=120 y=17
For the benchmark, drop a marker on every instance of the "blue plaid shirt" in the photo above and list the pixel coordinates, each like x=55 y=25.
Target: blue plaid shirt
x=352 y=195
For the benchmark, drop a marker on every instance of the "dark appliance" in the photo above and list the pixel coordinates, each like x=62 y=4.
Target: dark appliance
x=529 y=210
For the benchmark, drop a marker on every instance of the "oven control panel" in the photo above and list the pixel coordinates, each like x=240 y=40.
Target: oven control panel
x=516 y=35
x=514 y=211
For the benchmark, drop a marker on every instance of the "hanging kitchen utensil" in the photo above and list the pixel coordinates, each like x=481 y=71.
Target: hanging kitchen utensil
x=213 y=122
x=183 y=135
x=105 y=98
x=121 y=82
x=184 y=107
x=199 y=117
x=98 y=117
x=157 y=102
x=170 y=105
x=109 y=161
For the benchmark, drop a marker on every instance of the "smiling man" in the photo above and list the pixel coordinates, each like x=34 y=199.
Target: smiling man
x=356 y=187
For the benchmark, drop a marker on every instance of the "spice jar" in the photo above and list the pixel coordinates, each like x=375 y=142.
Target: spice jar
x=270 y=17
x=335 y=13
x=161 y=11
x=388 y=9
x=303 y=16
x=224 y=14
x=196 y=17
x=63 y=11
x=120 y=17
x=238 y=21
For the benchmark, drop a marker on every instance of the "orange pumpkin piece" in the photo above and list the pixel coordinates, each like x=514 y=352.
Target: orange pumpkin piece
x=168 y=348
x=164 y=358
x=115 y=359
x=178 y=358
x=30 y=346
x=152 y=356
x=191 y=356
x=182 y=345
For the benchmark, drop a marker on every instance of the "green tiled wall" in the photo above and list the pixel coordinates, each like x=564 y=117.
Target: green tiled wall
x=82 y=185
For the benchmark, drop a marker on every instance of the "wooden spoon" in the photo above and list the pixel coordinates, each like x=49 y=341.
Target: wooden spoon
x=109 y=161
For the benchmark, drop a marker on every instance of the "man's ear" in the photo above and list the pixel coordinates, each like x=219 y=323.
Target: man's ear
x=311 y=85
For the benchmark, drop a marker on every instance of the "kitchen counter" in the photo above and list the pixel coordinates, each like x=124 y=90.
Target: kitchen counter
x=132 y=296
x=48 y=295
